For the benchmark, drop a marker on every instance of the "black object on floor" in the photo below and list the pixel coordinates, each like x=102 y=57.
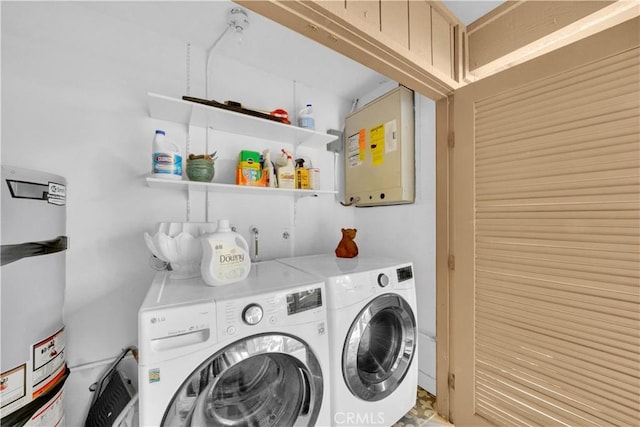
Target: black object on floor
x=112 y=393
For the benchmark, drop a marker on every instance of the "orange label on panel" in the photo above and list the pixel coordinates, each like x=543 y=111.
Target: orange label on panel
x=362 y=144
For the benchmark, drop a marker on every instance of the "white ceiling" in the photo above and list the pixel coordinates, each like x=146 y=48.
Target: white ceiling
x=469 y=10
x=266 y=45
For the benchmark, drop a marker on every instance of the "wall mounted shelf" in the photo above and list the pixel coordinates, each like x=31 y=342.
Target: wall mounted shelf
x=200 y=115
x=169 y=184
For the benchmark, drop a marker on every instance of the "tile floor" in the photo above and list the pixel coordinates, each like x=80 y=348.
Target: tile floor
x=424 y=413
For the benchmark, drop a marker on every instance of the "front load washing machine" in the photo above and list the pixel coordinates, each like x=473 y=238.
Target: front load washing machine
x=371 y=305
x=249 y=353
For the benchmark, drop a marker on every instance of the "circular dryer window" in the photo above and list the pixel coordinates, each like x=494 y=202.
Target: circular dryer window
x=265 y=380
x=379 y=347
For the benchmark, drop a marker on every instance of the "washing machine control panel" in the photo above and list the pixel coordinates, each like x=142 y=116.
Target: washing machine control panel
x=298 y=302
x=383 y=280
x=252 y=314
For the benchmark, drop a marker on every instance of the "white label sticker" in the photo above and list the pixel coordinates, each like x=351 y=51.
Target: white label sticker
x=51 y=414
x=154 y=375
x=353 y=150
x=13 y=385
x=48 y=361
x=390 y=136
x=57 y=194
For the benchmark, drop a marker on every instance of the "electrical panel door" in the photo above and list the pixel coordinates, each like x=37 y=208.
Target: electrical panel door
x=379 y=151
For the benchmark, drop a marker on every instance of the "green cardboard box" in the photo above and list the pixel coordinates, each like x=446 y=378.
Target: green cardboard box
x=249 y=159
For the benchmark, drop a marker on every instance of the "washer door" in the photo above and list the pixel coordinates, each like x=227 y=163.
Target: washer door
x=263 y=380
x=379 y=347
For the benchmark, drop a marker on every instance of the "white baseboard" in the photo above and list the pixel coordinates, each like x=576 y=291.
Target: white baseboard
x=426 y=382
x=427 y=362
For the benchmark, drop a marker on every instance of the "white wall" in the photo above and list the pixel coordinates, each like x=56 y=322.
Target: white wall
x=74 y=103
x=74 y=86
x=312 y=223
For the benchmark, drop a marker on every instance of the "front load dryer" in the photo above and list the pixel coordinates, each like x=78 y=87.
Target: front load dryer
x=371 y=305
x=249 y=353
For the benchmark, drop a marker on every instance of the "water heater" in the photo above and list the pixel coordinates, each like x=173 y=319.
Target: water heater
x=379 y=151
x=32 y=286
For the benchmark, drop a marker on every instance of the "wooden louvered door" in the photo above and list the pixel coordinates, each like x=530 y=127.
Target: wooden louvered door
x=545 y=206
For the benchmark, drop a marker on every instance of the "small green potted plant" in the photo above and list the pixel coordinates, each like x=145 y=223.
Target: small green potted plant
x=200 y=167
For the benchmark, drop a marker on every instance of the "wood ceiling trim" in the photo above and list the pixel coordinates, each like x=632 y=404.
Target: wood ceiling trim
x=518 y=32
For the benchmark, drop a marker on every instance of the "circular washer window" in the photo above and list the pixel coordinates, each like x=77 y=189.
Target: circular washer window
x=258 y=381
x=379 y=347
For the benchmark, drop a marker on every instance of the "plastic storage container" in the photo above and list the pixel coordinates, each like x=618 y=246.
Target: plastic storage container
x=306 y=119
x=225 y=256
x=286 y=174
x=268 y=170
x=167 y=160
x=302 y=175
x=314 y=178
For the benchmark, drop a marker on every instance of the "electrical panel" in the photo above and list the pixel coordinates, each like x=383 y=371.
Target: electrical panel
x=379 y=159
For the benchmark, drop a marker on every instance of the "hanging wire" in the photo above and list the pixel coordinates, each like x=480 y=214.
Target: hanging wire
x=209 y=52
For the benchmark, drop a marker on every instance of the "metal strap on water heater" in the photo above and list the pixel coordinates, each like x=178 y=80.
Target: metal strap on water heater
x=12 y=253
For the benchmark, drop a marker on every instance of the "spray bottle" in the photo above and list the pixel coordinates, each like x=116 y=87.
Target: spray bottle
x=302 y=175
x=286 y=174
x=267 y=170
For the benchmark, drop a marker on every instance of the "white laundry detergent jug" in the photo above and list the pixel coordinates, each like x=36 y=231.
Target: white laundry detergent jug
x=225 y=256
x=167 y=160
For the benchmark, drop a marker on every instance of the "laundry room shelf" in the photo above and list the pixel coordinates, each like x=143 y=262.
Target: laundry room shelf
x=200 y=115
x=168 y=184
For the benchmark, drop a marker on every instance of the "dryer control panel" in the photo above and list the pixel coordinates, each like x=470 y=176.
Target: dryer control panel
x=271 y=312
x=404 y=273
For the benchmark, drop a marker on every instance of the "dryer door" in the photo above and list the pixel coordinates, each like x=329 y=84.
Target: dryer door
x=263 y=380
x=379 y=347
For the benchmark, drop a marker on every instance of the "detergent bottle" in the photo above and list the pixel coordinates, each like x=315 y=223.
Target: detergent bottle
x=306 y=119
x=268 y=170
x=167 y=160
x=286 y=174
x=225 y=256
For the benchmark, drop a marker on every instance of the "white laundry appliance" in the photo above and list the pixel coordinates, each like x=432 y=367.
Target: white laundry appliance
x=250 y=353
x=371 y=305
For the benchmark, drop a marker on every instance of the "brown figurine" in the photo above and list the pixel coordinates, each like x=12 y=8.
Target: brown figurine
x=347 y=248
